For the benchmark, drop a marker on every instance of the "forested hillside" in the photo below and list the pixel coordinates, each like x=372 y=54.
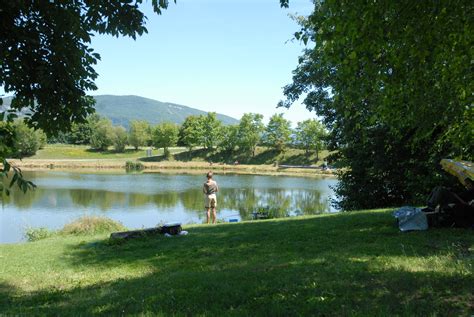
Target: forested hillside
x=122 y=109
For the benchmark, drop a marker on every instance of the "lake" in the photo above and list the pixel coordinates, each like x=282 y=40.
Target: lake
x=145 y=200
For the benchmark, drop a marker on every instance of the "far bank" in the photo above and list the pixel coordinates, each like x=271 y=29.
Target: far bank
x=293 y=162
x=168 y=167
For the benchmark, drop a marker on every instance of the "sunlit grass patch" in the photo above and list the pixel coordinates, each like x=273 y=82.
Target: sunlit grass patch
x=345 y=264
x=92 y=225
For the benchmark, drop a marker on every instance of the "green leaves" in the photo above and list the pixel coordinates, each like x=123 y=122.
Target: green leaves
x=46 y=59
x=284 y=3
x=47 y=63
x=277 y=133
x=392 y=82
x=165 y=135
x=16 y=178
x=102 y=133
x=311 y=135
x=139 y=133
x=250 y=132
x=191 y=132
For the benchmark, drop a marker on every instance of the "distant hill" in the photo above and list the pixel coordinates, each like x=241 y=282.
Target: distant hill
x=122 y=109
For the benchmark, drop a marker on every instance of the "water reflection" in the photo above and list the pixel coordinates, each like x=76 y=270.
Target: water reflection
x=245 y=201
x=143 y=200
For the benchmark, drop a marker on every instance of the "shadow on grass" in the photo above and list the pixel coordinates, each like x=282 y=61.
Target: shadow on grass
x=300 y=159
x=266 y=156
x=207 y=155
x=332 y=286
x=332 y=265
x=357 y=234
x=126 y=151
x=156 y=158
x=197 y=154
x=7 y=292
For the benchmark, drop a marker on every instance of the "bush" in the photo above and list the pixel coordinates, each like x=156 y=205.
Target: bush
x=41 y=137
x=131 y=166
x=269 y=213
x=102 y=134
x=27 y=141
x=120 y=138
x=35 y=234
x=92 y=225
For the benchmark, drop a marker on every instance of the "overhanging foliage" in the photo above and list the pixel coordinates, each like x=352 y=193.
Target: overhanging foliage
x=393 y=81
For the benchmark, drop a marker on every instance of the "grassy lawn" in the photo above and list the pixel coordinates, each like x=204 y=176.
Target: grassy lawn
x=262 y=155
x=67 y=151
x=346 y=264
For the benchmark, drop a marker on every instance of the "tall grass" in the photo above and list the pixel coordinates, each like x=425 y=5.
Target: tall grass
x=35 y=234
x=92 y=225
x=132 y=166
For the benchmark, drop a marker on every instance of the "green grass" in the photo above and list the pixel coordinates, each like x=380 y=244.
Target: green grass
x=87 y=225
x=67 y=151
x=262 y=156
x=335 y=265
x=92 y=225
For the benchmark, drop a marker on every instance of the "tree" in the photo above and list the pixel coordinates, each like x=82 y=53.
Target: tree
x=26 y=141
x=61 y=137
x=191 y=132
x=7 y=149
x=41 y=137
x=250 y=132
x=165 y=135
x=46 y=56
x=310 y=135
x=47 y=62
x=394 y=90
x=102 y=134
x=119 y=138
x=139 y=133
x=81 y=132
x=277 y=133
x=230 y=138
x=211 y=130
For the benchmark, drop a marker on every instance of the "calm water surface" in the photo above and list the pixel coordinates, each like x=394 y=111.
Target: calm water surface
x=145 y=200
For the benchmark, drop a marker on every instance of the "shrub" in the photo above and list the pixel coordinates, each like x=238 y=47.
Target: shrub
x=35 y=234
x=41 y=137
x=120 y=138
x=270 y=213
x=102 y=134
x=131 y=166
x=27 y=141
x=92 y=225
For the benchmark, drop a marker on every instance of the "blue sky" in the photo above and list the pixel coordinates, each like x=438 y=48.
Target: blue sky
x=228 y=56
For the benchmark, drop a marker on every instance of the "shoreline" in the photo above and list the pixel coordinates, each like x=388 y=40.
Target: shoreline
x=165 y=167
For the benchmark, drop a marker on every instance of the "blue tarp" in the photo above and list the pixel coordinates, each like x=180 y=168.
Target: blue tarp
x=411 y=218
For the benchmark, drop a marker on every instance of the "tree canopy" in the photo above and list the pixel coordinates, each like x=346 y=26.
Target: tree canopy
x=250 y=132
x=310 y=135
x=278 y=132
x=211 y=130
x=393 y=83
x=165 y=135
x=45 y=54
x=139 y=133
x=47 y=63
x=191 y=132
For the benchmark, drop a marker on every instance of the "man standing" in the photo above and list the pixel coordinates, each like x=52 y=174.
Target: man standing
x=210 y=189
